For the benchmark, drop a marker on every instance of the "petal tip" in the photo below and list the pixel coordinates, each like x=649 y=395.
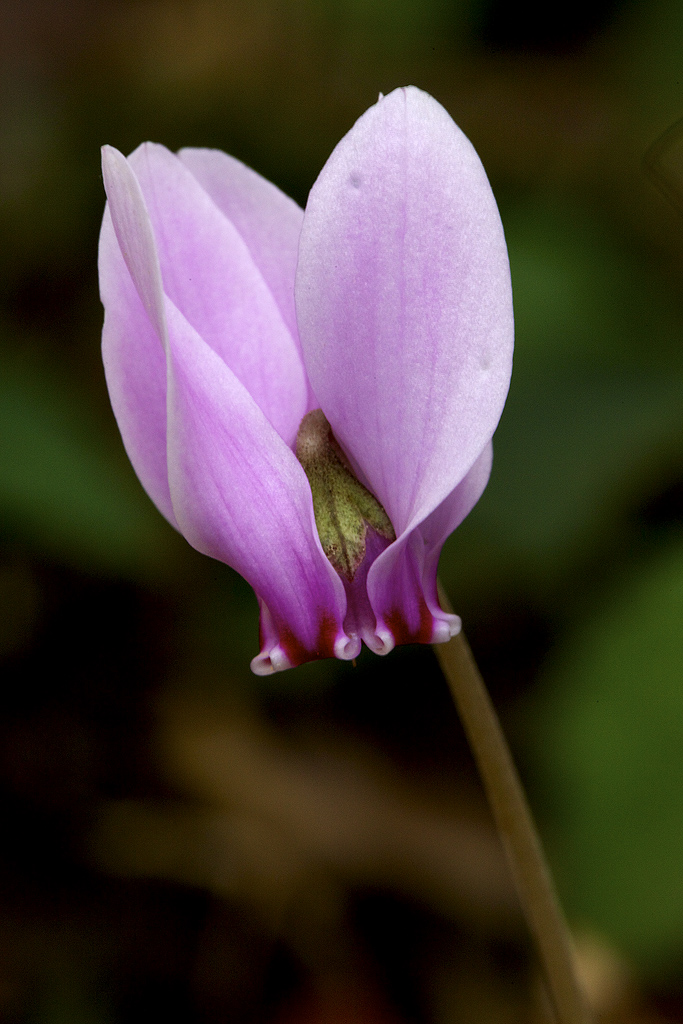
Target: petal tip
x=381 y=642
x=267 y=663
x=281 y=648
x=346 y=648
x=276 y=659
x=445 y=629
x=113 y=161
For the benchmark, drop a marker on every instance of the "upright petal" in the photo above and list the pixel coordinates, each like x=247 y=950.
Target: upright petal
x=404 y=303
x=132 y=347
x=209 y=274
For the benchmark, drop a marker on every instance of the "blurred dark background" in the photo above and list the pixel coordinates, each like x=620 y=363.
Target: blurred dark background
x=182 y=841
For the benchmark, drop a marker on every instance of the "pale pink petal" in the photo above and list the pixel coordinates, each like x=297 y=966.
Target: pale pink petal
x=438 y=526
x=132 y=349
x=236 y=488
x=239 y=495
x=268 y=221
x=209 y=274
x=404 y=303
x=402 y=581
x=135 y=233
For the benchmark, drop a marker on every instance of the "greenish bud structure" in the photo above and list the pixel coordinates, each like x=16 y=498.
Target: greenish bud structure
x=343 y=508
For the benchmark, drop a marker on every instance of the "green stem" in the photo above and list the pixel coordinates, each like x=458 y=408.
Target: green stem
x=516 y=827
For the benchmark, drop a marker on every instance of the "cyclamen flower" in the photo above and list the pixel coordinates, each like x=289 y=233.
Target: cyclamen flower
x=230 y=315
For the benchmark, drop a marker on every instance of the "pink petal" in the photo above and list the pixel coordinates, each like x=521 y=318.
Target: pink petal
x=438 y=526
x=268 y=221
x=402 y=581
x=134 y=232
x=240 y=496
x=209 y=273
x=237 y=490
x=404 y=303
x=132 y=350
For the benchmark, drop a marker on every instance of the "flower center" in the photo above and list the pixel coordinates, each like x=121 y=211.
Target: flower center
x=344 y=509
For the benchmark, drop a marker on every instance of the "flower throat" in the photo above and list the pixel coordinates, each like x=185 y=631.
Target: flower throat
x=344 y=509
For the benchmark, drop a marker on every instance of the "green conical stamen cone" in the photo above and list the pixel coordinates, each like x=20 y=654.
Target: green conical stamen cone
x=343 y=508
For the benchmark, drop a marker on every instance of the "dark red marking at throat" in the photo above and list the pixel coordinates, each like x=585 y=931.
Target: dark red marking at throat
x=298 y=654
x=402 y=632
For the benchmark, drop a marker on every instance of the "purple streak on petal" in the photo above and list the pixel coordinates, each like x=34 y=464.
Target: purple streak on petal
x=210 y=275
x=402 y=581
x=404 y=302
x=240 y=495
x=132 y=350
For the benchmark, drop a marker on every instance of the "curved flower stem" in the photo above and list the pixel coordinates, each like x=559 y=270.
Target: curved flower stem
x=516 y=827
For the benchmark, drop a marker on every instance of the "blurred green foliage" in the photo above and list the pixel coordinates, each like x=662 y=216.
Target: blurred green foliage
x=612 y=716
